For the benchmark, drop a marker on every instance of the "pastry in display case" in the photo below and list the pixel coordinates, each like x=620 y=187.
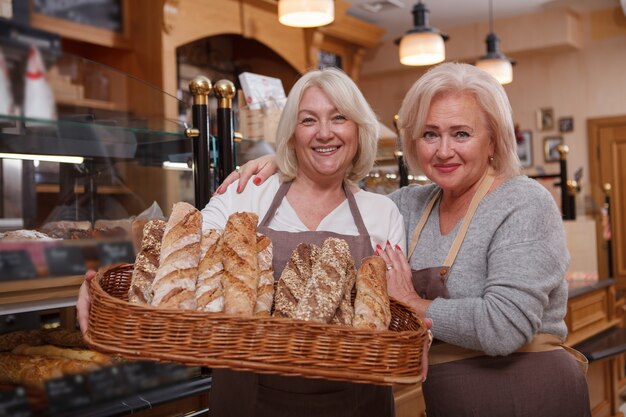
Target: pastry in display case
x=84 y=151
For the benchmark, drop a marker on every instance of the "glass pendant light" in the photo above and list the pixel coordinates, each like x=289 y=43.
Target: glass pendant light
x=422 y=45
x=306 y=13
x=495 y=62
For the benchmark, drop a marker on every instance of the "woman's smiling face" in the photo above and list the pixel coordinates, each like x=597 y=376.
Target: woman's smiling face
x=455 y=144
x=325 y=141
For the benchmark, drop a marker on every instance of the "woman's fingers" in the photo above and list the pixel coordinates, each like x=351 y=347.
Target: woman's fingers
x=84 y=302
x=260 y=168
x=232 y=177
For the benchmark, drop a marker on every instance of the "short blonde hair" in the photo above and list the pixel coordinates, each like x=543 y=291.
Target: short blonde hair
x=453 y=77
x=349 y=100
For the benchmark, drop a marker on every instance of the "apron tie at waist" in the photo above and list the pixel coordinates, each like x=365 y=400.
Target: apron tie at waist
x=543 y=342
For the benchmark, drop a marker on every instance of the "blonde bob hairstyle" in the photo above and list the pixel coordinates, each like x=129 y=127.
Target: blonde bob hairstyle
x=349 y=100
x=460 y=78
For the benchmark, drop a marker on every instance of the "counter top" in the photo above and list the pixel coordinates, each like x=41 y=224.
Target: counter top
x=581 y=287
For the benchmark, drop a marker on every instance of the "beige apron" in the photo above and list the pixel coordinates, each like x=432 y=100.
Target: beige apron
x=245 y=394
x=430 y=283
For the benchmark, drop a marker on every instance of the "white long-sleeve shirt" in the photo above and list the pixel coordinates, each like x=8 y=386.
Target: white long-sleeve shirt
x=380 y=215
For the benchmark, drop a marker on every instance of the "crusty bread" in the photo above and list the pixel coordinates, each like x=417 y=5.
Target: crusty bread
x=63 y=337
x=33 y=371
x=64 y=353
x=265 y=290
x=371 y=306
x=326 y=287
x=290 y=287
x=174 y=285
x=209 y=291
x=146 y=263
x=345 y=312
x=241 y=272
x=9 y=341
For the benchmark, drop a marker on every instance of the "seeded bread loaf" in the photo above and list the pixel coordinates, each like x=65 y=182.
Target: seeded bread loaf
x=146 y=263
x=326 y=287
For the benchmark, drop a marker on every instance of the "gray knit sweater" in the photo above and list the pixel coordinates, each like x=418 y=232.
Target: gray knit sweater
x=507 y=282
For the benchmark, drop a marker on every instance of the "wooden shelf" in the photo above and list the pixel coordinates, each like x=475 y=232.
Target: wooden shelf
x=94 y=104
x=80 y=189
x=39 y=289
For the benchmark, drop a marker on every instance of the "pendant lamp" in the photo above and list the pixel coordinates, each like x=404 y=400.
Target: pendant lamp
x=306 y=13
x=495 y=62
x=422 y=45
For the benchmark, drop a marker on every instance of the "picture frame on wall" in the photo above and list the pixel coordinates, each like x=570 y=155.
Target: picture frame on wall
x=525 y=148
x=566 y=124
x=550 y=148
x=545 y=119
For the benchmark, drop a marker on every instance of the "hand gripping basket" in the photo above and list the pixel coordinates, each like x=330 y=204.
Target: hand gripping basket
x=261 y=344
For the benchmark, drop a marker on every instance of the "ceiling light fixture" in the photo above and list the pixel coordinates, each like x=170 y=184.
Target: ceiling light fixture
x=495 y=62
x=306 y=13
x=422 y=45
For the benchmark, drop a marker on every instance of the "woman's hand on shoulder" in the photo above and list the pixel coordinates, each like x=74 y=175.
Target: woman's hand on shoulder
x=261 y=168
x=83 y=304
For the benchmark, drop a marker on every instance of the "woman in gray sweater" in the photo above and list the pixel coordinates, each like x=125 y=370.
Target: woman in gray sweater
x=486 y=257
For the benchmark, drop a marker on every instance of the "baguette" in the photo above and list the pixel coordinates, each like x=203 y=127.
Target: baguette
x=146 y=263
x=241 y=272
x=174 y=285
x=265 y=290
x=371 y=305
x=209 y=291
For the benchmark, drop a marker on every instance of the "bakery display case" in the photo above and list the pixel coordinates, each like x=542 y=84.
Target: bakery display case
x=87 y=156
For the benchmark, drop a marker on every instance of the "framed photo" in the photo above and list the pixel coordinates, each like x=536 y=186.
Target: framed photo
x=525 y=148
x=566 y=124
x=545 y=119
x=550 y=145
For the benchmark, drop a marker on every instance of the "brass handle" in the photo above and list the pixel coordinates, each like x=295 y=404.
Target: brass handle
x=192 y=132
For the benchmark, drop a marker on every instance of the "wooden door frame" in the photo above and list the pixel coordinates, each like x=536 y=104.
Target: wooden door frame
x=597 y=191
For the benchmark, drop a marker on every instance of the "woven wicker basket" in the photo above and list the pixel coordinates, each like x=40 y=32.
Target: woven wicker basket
x=265 y=345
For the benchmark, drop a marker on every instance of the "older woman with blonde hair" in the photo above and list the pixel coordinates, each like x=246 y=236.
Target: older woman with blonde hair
x=486 y=256
x=325 y=142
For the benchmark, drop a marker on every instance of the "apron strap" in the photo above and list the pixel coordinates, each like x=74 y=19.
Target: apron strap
x=356 y=213
x=485 y=184
x=422 y=221
x=278 y=198
x=458 y=241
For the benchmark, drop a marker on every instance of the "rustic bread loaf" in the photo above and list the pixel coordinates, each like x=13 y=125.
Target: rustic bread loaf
x=371 y=306
x=62 y=337
x=241 y=271
x=174 y=285
x=33 y=371
x=290 y=287
x=345 y=313
x=265 y=290
x=146 y=263
x=9 y=341
x=326 y=287
x=64 y=353
x=209 y=291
